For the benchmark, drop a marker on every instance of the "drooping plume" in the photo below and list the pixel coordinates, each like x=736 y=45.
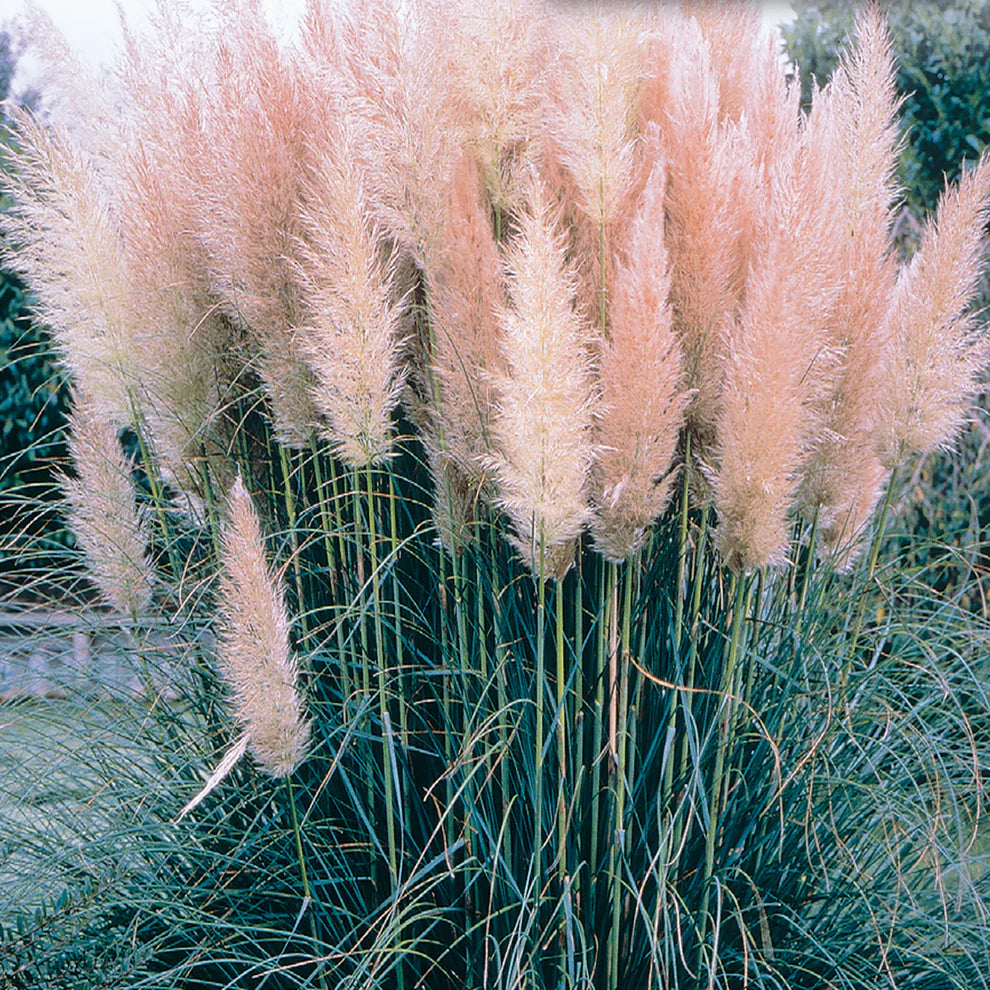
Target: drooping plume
x=253 y=643
x=103 y=513
x=65 y=243
x=642 y=398
x=542 y=427
x=256 y=124
x=187 y=346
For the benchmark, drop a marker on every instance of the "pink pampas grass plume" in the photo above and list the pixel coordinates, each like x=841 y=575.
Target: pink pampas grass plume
x=844 y=477
x=351 y=318
x=713 y=192
x=934 y=356
x=778 y=361
x=542 y=427
x=642 y=399
x=253 y=644
x=466 y=295
x=256 y=123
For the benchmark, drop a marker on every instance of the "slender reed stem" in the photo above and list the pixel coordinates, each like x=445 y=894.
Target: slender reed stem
x=682 y=544
x=304 y=875
x=849 y=657
x=540 y=678
x=335 y=558
x=620 y=677
x=562 y=722
x=290 y=510
x=388 y=770
x=738 y=595
x=608 y=575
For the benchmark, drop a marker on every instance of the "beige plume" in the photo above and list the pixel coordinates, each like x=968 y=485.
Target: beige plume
x=253 y=643
x=103 y=513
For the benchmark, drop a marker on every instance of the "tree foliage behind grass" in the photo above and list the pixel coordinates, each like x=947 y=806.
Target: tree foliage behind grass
x=33 y=396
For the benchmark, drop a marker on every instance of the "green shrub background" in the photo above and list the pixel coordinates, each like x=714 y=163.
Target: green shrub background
x=33 y=396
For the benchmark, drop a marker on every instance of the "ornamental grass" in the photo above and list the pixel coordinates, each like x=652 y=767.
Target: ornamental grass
x=516 y=400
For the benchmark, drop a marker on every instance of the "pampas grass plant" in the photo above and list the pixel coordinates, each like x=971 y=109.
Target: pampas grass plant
x=511 y=498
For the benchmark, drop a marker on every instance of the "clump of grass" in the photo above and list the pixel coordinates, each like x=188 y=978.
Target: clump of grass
x=565 y=400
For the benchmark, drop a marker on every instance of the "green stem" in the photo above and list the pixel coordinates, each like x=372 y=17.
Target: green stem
x=620 y=733
x=561 y=740
x=608 y=577
x=738 y=595
x=290 y=509
x=335 y=558
x=307 y=893
x=850 y=653
x=682 y=544
x=540 y=677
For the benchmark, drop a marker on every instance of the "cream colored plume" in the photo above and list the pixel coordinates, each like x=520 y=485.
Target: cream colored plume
x=641 y=383
x=351 y=318
x=64 y=241
x=396 y=67
x=502 y=57
x=600 y=66
x=189 y=350
x=542 y=427
x=103 y=513
x=253 y=644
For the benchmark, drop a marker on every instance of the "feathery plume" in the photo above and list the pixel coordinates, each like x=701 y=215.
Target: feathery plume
x=933 y=358
x=188 y=348
x=349 y=335
x=542 y=427
x=844 y=478
x=712 y=204
x=778 y=361
x=65 y=243
x=588 y=153
x=500 y=58
x=253 y=643
x=103 y=513
x=257 y=122
x=396 y=69
x=640 y=380
x=466 y=293
x=594 y=106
